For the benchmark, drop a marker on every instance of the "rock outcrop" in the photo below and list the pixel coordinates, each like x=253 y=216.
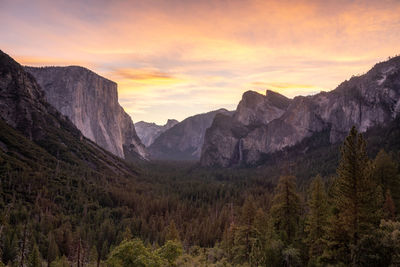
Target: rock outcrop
x=91 y=103
x=149 y=131
x=184 y=140
x=23 y=107
x=260 y=126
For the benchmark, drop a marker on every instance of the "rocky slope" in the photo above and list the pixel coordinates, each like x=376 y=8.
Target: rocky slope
x=91 y=103
x=148 y=132
x=253 y=132
x=34 y=133
x=184 y=140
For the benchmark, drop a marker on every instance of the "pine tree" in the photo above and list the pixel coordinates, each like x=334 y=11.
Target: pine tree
x=244 y=237
x=286 y=209
x=355 y=198
x=386 y=175
x=34 y=257
x=317 y=218
x=389 y=208
x=52 y=252
x=172 y=232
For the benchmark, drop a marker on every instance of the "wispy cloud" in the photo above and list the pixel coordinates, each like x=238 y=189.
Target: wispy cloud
x=177 y=58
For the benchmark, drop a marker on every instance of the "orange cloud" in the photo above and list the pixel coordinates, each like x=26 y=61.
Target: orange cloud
x=204 y=52
x=145 y=76
x=50 y=61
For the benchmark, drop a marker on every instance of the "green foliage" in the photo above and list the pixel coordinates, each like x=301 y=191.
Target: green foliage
x=385 y=174
x=133 y=253
x=223 y=217
x=286 y=209
x=52 y=251
x=317 y=218
x=34 y=257
x=357 y=202
x=172 y=232
x=170 y=251
x=60 y=262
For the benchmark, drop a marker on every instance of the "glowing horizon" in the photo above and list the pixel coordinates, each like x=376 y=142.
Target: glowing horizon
x=173 y=59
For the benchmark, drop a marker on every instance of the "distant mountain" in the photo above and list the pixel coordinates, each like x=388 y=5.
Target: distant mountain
x=184 y=140
x=261 y=126
x=149 y=131
x=91 y=103
x=37 y=139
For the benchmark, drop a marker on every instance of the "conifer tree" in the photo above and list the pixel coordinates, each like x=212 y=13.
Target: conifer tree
x=385 y=174
x=317 y=218
x=389 y=208
x=355 y=198
x=245 y=232
x=286 y=209
x=172 y=232
x=34 y=257
x=52 y=252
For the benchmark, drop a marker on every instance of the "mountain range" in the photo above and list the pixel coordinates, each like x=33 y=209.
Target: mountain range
x=262 y=125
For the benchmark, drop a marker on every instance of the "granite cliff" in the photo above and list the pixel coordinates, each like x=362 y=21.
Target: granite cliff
x=91 y=103
x=261 y=125
x=148 y=131
x=184 y=140
x=34 y=133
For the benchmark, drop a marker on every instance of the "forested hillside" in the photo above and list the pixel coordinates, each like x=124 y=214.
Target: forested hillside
x=179 y=214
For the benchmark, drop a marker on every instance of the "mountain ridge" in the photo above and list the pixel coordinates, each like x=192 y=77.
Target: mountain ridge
x=149 y=131
x=363 y=101
x=184 y=140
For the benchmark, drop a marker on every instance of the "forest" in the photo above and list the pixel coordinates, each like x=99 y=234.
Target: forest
x=178 y=214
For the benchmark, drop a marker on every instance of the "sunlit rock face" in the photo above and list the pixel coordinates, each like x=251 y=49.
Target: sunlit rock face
x=184 y=140
x=91 y=103
x=149 y=131
x=260 y=126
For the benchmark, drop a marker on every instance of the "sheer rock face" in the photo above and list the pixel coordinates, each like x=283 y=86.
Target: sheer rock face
x=22 y=103
x=148 y=132
x=259 y=126
x=91 y=103
x=184 y=140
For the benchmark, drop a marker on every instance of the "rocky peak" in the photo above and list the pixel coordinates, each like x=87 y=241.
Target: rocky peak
x=170 y=123
x=149 y=131
x=255 y=108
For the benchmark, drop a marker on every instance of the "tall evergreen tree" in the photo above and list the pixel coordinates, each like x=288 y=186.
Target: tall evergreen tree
x=34 y=257
x=286 y=209
x=385 y=174
x=52 y=251
x=245 y=232
x=355 y=198
x=317 y=218
x=172 y=232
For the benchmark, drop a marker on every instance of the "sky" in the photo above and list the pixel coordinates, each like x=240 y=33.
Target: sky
x=172 y=59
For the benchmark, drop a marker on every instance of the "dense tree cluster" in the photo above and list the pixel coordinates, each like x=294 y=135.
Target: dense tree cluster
x=179 y=215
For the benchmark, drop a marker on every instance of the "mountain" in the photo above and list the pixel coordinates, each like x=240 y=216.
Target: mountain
x=148 y=132
x=91 y=103
x=184 y=140
x=263 y=127
x=36 y=138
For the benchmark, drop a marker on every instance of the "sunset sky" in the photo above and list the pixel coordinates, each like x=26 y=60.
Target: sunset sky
x=173 y=59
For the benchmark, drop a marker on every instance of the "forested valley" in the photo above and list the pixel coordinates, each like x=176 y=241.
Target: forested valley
x=178 y=214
